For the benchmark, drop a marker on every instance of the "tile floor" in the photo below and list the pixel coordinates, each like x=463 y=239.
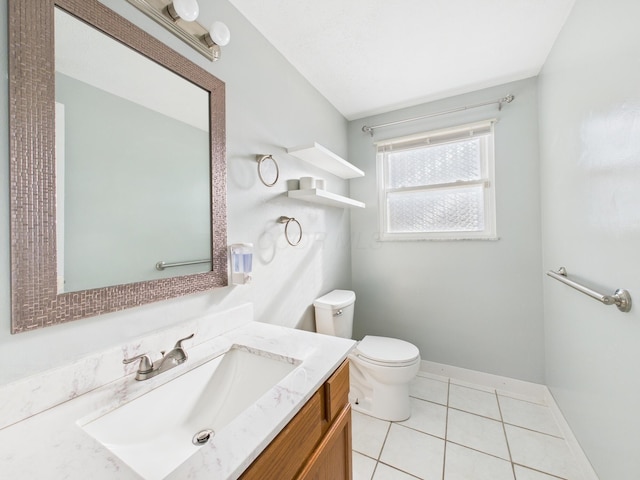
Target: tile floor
x=459 y=431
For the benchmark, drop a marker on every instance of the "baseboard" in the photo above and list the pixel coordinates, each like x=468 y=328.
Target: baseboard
x=503 y=385
x=517 y=389
x=588 y=473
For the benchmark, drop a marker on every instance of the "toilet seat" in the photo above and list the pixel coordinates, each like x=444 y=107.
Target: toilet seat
x=387 y=352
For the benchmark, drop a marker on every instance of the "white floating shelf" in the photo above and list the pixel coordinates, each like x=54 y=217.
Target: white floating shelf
x=315 y=195
x=324 y=158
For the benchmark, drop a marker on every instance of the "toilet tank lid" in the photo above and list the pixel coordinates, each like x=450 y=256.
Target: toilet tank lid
x=385 y=349
x=336 y=299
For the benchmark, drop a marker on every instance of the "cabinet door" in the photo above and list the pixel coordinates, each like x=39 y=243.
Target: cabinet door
x=336 y=391
x=284 y=457
x=332 y=459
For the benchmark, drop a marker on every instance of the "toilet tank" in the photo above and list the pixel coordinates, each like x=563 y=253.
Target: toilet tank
x=334 y=313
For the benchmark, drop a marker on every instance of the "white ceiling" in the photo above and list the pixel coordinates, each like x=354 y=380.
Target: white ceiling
x=373 y=56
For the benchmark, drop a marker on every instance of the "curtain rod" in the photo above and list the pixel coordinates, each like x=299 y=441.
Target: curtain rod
x=500 y=102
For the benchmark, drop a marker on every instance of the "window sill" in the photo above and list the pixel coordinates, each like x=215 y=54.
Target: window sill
x=417 y=238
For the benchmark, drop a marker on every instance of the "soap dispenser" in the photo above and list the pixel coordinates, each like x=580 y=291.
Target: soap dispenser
x=241 y=263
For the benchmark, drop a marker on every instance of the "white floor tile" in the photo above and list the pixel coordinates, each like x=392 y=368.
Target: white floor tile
x=538 y=399
x=368 y=434
x=385 y=472
x=527 y=474
x=434 y=376
x=477 y=432
x=474 y=401
x=466 y=464
x=475 y=386
x=542 y=452
x=429 y=389
x=413 y=452
x=363 y=467
x=528 y=415
x=468 y=419
x=427 y=417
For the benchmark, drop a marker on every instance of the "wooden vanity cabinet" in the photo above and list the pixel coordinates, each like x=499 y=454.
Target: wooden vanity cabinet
x=316 y=443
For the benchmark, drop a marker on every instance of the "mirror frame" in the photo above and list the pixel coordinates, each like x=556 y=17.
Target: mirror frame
x=35 y=301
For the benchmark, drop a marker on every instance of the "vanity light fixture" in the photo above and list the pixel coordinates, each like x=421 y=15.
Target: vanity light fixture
x=219 y=34
x=188 y=10
x=179 y=17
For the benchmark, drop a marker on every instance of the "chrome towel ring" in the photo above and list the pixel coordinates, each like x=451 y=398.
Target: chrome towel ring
x=287 y=221
x=261 y=159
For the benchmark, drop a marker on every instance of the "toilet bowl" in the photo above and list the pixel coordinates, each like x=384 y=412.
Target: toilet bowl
x=381 y=368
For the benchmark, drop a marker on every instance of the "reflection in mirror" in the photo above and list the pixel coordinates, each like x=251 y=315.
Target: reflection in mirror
x=133 y=153
x=100 y=167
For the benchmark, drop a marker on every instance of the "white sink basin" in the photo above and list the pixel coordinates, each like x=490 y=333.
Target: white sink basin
x=154 y=433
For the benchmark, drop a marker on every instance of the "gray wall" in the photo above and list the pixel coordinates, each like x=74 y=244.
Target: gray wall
x=590 y=163
x=472 y=304
x=269 y=107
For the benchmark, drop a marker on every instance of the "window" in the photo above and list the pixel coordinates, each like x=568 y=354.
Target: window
x=438 y=185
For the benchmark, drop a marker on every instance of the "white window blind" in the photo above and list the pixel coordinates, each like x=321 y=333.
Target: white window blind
x=438 y=185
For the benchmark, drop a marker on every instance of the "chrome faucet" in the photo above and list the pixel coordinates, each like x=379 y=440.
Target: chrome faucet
x=147 y=369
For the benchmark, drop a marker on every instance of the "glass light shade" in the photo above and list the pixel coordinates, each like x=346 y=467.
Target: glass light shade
x=220 y=33
x=188 y=10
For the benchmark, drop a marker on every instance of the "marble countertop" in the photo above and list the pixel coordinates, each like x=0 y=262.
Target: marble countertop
x=52 y=445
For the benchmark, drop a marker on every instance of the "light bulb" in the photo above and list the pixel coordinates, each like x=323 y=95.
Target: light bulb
x=220 y=33
x=188 y=10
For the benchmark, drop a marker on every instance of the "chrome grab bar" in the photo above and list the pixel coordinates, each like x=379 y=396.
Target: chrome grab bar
x=163 y=265
x=621 y=297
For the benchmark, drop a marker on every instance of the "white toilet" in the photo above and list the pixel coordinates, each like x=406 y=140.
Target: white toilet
x=380 y=367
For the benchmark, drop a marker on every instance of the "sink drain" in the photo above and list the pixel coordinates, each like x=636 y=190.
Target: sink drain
x=202 y=437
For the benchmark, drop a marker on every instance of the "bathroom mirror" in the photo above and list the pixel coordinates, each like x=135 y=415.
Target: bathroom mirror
x=55 y=217
x=130 y=204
